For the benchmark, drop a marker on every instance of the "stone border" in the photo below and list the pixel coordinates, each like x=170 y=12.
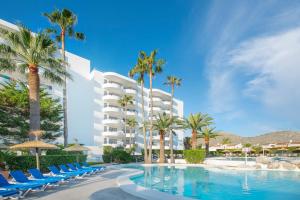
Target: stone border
x=130 y=187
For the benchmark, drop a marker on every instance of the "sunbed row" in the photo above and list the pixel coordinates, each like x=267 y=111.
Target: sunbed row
x=21 y=185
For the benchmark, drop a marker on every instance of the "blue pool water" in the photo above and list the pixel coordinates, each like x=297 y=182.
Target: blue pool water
x=216 y=184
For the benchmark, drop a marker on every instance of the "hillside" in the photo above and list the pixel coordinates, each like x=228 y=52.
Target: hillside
x=273 y=137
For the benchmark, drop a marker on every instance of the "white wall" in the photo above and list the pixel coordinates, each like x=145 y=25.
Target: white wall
x=80 y=100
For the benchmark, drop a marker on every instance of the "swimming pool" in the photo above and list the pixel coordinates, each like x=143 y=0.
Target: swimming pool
x=217 y=184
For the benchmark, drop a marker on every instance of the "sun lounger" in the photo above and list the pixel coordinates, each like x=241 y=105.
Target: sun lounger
x=20 y=177
x=24 y=188
x=76 y=173
x=37 y=174
x=4 y=194
x=85 y=164
x=56 y=172
x=87 y=171
x=78 y=166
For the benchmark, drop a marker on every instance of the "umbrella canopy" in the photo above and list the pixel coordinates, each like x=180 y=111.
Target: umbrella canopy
x=34 y=144
x=37 y=144
x=76 y=148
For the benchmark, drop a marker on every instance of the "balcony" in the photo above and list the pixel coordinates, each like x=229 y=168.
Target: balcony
x=112 y=133
x=128 y=135
x=111 y=109
x=156 y=109
x=111 y=97
x=113 y=87
x=130 y=91
x=167 y=103
x=130 y=113
x=155 y=99
x=111 y=121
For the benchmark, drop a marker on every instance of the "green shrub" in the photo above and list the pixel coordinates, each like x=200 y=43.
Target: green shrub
x=117 y=155
x=194 y=156
x=26 y=162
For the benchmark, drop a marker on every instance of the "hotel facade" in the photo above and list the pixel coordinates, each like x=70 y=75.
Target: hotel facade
x=94 y=116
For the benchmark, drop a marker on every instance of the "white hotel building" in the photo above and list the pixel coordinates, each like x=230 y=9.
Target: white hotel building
x=94 y=116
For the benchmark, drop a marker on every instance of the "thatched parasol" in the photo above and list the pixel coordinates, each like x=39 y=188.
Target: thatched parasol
x=76 y=148
x=34 y=144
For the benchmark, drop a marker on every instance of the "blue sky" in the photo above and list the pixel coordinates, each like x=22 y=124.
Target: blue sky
x=239 y=60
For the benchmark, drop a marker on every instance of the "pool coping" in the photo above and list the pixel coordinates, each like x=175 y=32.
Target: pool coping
x=130 y=187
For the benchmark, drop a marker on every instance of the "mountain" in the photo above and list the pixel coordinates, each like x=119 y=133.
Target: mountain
x=273 y=137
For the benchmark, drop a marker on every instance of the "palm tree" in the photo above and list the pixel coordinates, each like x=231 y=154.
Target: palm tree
x=154 y=66
x=140 y=69
x=207 y=133
x=124 y=102
x=132 y=124
x=65 y=20
x=172 y=81
x=164 y=124
x=187 y=143
x=195 y=122
x=32 y=55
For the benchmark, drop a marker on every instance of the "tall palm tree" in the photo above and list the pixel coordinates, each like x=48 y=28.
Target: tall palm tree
x=207 y=133
x=32 y=55
x=132 y=124
x=154 y=66
x=124 y=102
x=196 y=122
x=172 y=81
x=164 y=124
x=140 y=69
x=65 y=20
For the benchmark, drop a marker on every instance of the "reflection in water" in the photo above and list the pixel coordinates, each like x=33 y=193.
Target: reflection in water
x=214 y=184
x=245 y=186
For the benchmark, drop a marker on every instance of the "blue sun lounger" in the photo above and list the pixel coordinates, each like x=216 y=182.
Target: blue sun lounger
x=78 y=166
x=56 y=172
x=20 y=177
x=85 y=164
x=73 y=168
x=77 y=173
x=37 y=174
x=24 y=188
x=4 y=194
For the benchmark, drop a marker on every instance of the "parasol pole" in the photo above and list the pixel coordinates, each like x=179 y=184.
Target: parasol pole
x=37 y=158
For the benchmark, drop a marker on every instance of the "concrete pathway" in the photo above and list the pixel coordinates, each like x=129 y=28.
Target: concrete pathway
x=102 y=186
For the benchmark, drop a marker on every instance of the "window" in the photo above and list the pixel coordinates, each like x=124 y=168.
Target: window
x=113 y=141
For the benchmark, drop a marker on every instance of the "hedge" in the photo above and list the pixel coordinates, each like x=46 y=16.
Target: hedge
x=117 y=155
x=194 y=156
x=26 y=162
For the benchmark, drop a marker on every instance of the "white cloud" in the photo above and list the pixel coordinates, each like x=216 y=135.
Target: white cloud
x=273 y=63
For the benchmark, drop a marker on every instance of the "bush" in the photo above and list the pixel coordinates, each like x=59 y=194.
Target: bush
x=194 y=156
x=26 y=162
x=117 y=155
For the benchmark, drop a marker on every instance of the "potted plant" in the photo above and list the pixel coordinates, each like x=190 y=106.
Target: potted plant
x=4 y=170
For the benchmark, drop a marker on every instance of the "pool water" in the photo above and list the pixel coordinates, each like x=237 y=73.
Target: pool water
x=217 y=184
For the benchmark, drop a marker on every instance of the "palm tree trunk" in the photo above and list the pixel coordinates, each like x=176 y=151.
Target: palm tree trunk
x=130 y=138
x=194 y=139
x=206 y=141
x=151 y=118
x=143 y=118
x=34 y=97
x=171 y=134
x=65 y=104
x=162 y=147
x=125 y=109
